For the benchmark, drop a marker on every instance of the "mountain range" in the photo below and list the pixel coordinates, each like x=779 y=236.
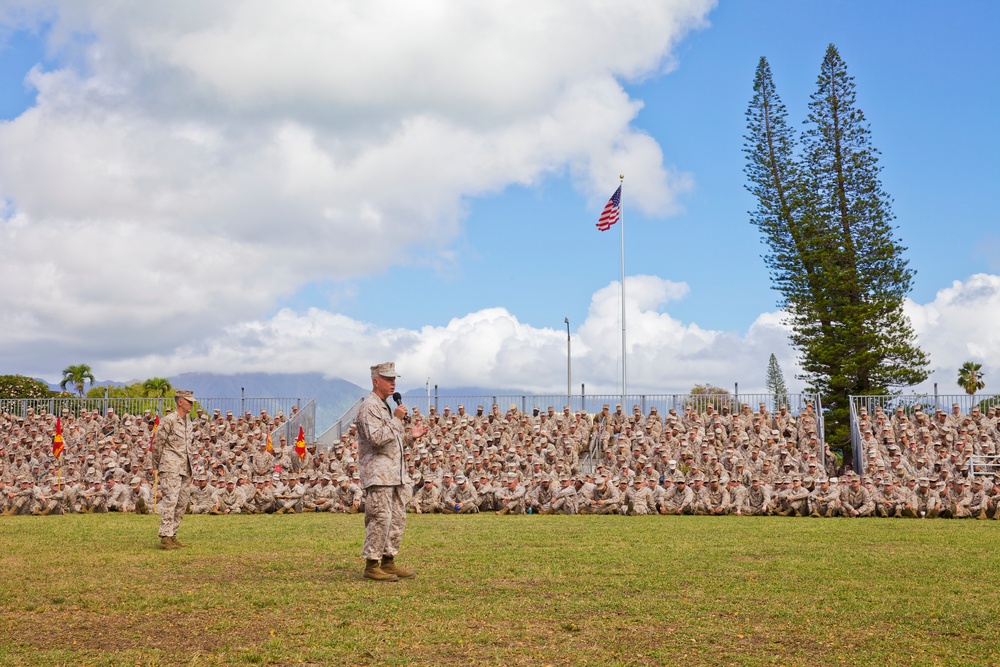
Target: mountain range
x=334 y=396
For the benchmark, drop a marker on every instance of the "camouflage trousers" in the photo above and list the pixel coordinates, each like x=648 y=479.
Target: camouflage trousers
x=176 y=490
x=385 y=519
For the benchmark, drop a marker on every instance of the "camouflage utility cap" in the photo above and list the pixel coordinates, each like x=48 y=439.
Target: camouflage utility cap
x=386 y=369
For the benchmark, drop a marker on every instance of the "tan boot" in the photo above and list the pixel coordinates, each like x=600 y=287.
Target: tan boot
x=376 y=573
x=168 y=543
x=178 y=542
x=389 y=566
x=503 y=511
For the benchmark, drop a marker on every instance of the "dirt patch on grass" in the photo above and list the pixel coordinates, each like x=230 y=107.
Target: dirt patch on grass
x=167 y=631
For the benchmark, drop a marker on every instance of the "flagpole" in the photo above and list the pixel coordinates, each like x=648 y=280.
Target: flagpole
x=621 y=209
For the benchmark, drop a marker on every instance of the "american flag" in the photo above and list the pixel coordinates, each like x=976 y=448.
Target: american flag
x=609 y=215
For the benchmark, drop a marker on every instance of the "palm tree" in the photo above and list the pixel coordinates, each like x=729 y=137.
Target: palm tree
x=970 y=377
x=77 y=375
x=157 y=387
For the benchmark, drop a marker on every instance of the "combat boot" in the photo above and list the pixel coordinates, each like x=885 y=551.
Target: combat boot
x=376 y=573
x=177 y=542
x=503 y=511
x=168 y=543
x=389 y=566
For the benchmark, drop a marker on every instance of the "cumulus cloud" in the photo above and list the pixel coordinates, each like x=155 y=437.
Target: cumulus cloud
x=180 y=153
x=493 y=348
x=961 y=324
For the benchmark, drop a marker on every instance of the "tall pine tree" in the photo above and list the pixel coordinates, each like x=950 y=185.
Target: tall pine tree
x=832 y=250
x=776 y=382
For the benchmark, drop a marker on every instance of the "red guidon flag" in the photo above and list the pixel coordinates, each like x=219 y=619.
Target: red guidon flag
x=152 y=436
x=57 y=440
x=270 y=445
x=300 y=444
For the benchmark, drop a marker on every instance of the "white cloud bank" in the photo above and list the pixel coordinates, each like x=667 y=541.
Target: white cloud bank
x=491 y=347
x=961 y=324
x=180 y=151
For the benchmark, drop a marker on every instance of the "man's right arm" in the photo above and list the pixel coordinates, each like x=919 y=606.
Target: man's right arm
x=376 y=425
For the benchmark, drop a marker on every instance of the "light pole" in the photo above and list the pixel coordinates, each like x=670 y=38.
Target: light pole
x=569 y=367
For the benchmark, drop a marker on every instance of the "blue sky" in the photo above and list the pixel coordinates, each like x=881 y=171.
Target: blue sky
x=274 y=214
x=926 y=80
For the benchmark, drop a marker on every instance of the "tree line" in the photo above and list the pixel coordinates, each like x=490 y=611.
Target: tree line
x=832 y=250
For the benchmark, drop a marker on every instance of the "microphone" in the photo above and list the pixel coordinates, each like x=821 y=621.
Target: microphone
x=398 y=398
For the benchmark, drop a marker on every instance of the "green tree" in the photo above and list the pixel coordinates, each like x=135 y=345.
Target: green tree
x=832 y=251
x=20 y=386
x=717 y=397
x=158 y=388
x=77 y=376
x=970 y=378
x=776 y=381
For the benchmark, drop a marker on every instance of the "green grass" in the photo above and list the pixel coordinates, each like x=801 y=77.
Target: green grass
x=514 y=590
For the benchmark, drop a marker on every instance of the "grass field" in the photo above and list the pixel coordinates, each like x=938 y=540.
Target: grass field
x=514 y=590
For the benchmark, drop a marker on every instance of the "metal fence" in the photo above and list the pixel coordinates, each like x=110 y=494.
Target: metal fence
x=304 y=418
x=19 y=407
x=985 y=466
x=296 y=413
x=332 y=434
x=929 y=403
x=592 y=404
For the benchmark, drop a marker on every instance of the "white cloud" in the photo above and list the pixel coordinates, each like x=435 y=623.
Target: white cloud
x=491 y=347
x=494 y=348
x=961 y=324
x=182 y=151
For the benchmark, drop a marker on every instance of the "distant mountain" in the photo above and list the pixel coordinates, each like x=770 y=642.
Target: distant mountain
x=469 y=391
x=54 y=386
x=333 y=395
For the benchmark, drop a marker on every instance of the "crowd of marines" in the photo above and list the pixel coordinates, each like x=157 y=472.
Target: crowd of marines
x=687 y=461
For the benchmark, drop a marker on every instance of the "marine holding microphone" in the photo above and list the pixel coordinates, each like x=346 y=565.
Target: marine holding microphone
x=381 y=435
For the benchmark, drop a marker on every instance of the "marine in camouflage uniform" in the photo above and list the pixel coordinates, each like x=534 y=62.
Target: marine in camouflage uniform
x=756 y=500
x=463 y=497
x=855 y=500
x=202 y=496
x=639 y=499
x=511 y=497
x=566 y=498
x=346 y=498
x=381 y=434
x=824 y=501
x=173 y=446
x=605 y=498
